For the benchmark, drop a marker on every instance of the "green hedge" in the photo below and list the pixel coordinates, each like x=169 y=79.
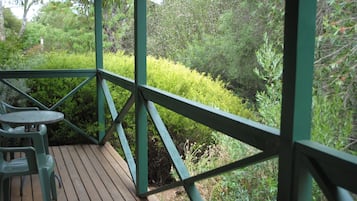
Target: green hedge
x=175 y=78
x=80 y=109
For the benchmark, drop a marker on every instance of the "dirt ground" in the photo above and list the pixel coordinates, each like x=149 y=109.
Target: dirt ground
x=176 y=194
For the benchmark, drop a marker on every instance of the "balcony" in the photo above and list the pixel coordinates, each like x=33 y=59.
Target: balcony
x=88 y=172
x=300 y=159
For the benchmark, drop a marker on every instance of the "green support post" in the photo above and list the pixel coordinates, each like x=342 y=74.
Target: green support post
x=299 y=44
x=99 y=65
x=140 y=111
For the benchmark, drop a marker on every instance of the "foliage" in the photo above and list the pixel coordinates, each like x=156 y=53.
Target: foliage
x=2 y=26
x=175 y=24
x=11 y=23
x=269 y=101
x=177 y=79
x=79 y=108
x=69 y=26
x=118 y=25
x=331 y=121
x=10 y=50
x=12 y=27
x=62 y=28
x=242 y=184
x=332 y=112
x=186 y=83
x=216 y=37
x=11 y=58
x=336 y=57
x=26 y=4
x=228 y=56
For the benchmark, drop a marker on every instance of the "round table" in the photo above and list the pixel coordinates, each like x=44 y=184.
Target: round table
x=31 y=119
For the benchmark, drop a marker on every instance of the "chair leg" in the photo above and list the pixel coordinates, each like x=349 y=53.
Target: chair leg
x=2 y=191
x=53 y=186
x=5 y=189
x=45 y=181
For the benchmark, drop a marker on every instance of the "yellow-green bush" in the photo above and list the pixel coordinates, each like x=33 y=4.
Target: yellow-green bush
x=177 y=79
x=162 y=74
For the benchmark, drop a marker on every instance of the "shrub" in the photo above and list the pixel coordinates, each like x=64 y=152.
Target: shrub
x=12 y=58
x=175 y=78
x=80 y=109
x=162 y=74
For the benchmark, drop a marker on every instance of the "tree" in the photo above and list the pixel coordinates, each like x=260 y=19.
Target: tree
x=26 y=7
x=216 y=37
x=63 y=26
x=26 y=4
x=118 y=23
x=11 y=47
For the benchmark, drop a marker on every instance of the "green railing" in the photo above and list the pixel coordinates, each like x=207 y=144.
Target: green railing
x=88 y=74
x=252 y=133
x=333 y=171
x=299 y=158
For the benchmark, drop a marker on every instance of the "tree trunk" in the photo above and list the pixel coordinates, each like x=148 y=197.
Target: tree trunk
x=23 y=26
x=2 y=26
x=24 y=18
x=27 y=5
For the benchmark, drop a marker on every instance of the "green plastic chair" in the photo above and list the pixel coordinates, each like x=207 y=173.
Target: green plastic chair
x=35 y=161
x=10 y=108
x=7 y=108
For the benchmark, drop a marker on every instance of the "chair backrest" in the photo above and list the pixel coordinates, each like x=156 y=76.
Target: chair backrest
x=2 y=107
x=3 y=111
x=7 y=108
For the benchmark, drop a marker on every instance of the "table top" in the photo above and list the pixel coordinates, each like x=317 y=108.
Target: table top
x=31 y=117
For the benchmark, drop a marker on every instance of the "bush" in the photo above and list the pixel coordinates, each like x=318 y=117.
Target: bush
x=12 y=58
x=175 y=78
x=80 y=108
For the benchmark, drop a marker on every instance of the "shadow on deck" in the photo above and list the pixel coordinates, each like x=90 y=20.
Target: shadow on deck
x=88 y=172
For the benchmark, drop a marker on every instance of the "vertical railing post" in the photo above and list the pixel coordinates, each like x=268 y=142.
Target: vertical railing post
x=299 y=44
x=140 y=111
x=99 y=65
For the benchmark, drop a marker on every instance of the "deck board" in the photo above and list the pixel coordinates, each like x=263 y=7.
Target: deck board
x=88 y=172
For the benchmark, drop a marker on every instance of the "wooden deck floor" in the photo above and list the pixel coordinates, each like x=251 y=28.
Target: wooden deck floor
x=88 y=172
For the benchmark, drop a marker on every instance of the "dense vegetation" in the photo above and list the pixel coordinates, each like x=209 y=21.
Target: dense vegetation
x=175 y=78
x=238 y=43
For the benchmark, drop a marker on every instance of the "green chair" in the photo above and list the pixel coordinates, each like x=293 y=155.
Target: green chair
x=7 y=108
x=35 y=161
x=10 y=108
